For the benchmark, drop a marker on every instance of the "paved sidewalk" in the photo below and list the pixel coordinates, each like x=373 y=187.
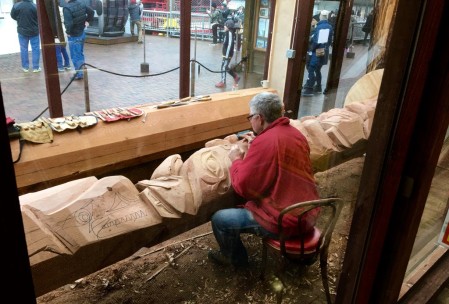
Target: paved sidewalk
x=25 y=94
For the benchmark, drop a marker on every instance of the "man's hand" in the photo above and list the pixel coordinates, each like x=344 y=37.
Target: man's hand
x=236 y=153
x=248 y=137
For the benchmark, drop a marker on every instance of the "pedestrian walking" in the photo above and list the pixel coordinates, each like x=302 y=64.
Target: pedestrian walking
x=319 y=54
x=225 y=15
x=135 y=13
x=62 y=57
x=25 y=13
x=227 y=53
x=215 y=20
x=367 y=27
x=76 y=16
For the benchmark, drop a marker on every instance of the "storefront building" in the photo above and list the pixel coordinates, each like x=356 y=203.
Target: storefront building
x=396 y=226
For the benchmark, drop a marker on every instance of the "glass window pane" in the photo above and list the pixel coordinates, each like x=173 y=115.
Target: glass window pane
x=433 y=227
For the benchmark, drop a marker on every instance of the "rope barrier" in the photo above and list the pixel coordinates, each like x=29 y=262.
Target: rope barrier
x=244 y=59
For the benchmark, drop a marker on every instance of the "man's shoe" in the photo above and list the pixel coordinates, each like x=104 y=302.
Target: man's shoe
x=221 y=84
x=61 y=70
x=307 y=92
x=317 y=89
x=139 y=42
x=236 y=83
x=68 y=67
x=37 y=70
x=25 y=70
x=78 y=77
x=219 y=258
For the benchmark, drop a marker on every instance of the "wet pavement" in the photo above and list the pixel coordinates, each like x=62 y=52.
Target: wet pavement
x=115 y=78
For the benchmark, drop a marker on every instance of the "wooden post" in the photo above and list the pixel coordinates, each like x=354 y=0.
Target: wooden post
x=86 y=89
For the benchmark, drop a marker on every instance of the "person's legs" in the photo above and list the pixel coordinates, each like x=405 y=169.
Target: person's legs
x=131 y=27
x=73 y=48
x=23 y=42
x=225 y=68
x=59 y=57
x=224 y=65
x=317 y=88
x=365 y=42
x=347 y=44
x=35 y=51
x=76 y=46
x=311 y=78
x=139 y=31
x=214 y=33
x=227 y=225
x=234 y=75
x=65 y=55
x=221 y=33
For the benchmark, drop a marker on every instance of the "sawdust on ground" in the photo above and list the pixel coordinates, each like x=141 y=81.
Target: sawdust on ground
x=178 y=271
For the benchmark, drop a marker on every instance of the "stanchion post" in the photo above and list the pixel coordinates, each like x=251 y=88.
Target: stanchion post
x=144 y=67
x=86 y=89
x=192 y=69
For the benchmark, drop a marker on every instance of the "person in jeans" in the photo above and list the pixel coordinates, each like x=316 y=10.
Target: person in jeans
x=321 y=40
x=227 y=53
x=271 y=171
x=62 y=57
x=25 y=13
x=76 y=15
x=135 y=12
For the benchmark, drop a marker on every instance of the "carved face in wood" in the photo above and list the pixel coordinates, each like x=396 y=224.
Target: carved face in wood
x=201 y=179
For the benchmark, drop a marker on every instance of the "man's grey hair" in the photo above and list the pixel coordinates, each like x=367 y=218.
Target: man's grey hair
x=269 y=105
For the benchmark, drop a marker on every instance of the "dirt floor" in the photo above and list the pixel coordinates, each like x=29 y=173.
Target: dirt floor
x=178 y=271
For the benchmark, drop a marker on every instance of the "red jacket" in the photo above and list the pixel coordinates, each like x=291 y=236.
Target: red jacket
x=276 y=173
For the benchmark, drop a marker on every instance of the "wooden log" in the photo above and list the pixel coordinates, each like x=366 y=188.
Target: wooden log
x=52 y=269
x=111 y=146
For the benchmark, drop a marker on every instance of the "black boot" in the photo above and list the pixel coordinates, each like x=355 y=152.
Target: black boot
x=317 y=89
x=307 y=92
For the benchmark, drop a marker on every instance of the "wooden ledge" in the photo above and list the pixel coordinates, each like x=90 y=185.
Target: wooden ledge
x=108 y=147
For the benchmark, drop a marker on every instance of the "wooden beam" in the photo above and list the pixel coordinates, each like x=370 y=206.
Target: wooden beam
x=295 y=66
x=386 y=217
x=47 y=265
x=270 y=38
x=49 y=61
x=108 y=147
x=184 y=50
x=429 y=285
x=338 y=50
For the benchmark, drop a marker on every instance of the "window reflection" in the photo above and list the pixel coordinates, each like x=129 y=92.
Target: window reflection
x=428 y=247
